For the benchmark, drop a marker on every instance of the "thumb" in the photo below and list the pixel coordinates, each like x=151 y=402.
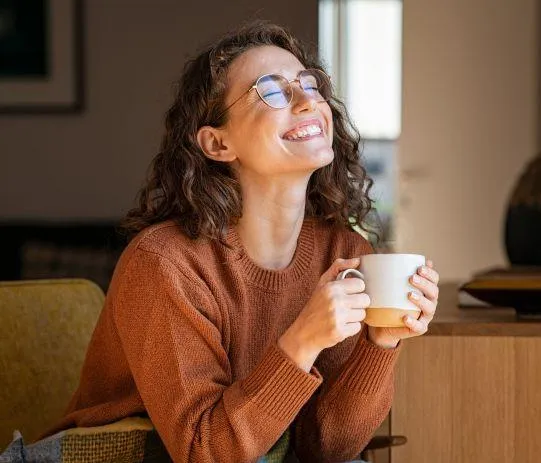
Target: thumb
x=339 y=265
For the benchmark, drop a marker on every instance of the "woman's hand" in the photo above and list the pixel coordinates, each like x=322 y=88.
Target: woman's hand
x=333 y=313
x=426 y=298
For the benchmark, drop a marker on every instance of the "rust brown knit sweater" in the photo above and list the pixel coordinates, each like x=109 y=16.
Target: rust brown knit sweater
x=188 y=335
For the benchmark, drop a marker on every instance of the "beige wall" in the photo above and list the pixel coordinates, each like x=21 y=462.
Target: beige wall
x=470 y=122
x=91 y=165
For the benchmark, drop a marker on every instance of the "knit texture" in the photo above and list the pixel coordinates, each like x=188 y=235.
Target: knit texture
x=188 y=336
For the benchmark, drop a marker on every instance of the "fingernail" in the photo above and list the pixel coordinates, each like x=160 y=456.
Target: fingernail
x=414 y=295
x=416 y=278
x=423 y=270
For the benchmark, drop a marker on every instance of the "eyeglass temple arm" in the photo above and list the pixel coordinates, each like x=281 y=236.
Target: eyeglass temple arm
x=238 y=99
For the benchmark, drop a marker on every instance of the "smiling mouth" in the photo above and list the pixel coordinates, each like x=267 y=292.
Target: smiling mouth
x=305 y=132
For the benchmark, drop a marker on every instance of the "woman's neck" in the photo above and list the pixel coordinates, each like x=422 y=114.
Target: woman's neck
x=271 y=222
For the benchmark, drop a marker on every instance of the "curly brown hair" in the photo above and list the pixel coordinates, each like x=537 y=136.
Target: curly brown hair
x=203 y=196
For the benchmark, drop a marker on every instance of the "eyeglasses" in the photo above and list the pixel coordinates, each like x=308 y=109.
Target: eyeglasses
x=276 y=91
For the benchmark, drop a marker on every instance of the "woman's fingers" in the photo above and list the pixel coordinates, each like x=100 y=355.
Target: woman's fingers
x=429 y=273
x=355 y=315
x=427 y=306
x=350 y=285
x=339 y=265
x=428 y=288
x=428 y=309
x=357 y=301
x=351 y=329
x=418 y=327
x=355 y=305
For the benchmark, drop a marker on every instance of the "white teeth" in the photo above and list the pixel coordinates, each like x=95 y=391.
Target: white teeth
x=305 y=131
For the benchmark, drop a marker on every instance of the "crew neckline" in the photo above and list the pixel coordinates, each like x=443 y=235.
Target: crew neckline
x=271 y=279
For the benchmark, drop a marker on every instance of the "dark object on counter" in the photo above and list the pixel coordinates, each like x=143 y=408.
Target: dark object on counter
x=517 y=287
x=523 y=221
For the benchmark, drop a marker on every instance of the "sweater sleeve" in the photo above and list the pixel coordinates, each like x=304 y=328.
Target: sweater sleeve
x=340 y=419
x=168 y=331
x=356 y=395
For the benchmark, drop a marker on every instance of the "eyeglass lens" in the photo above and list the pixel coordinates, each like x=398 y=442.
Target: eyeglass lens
x=276 y=91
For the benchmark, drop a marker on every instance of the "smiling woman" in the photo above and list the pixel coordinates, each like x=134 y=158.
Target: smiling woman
x=221 y=79
x=225 y=323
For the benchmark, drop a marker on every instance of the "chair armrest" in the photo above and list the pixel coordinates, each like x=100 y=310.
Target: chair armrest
x=382 y=442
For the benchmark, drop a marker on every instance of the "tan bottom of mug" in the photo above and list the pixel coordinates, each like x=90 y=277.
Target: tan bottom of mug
x=388 y=317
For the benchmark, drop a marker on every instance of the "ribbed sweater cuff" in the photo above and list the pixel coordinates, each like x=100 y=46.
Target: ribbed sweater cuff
x=279 y=386
x=369 y=366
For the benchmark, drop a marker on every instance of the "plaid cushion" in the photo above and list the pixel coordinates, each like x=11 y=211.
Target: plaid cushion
x=131 y=440
x=121 y=442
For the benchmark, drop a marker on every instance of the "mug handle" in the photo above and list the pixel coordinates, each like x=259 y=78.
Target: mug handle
x=346 y=272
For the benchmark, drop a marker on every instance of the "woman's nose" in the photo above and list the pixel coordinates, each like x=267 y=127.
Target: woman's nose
x=302 y=101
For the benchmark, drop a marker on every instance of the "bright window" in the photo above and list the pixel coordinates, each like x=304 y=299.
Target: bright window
x=360 y=41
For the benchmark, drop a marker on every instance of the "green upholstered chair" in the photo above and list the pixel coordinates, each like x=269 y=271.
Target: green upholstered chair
x=45 y=328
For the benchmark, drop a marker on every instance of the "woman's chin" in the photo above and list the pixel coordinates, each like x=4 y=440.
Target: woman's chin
x=316 y=149
x=320 y=157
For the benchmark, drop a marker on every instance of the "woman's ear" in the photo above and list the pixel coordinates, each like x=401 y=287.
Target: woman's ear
x=212 y=142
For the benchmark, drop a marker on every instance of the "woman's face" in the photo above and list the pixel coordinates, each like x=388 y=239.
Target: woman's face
x=267 y=141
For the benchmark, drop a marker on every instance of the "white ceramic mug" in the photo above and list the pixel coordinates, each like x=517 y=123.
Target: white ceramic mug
x=386 y=277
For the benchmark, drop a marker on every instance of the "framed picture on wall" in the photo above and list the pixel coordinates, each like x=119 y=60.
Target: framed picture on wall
x=41 y=56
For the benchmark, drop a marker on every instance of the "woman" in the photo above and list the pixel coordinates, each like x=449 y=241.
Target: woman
x=223 y=321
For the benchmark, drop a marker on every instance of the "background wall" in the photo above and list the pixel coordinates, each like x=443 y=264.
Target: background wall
x=471 y=98
x=91 y=165
x=471 y=80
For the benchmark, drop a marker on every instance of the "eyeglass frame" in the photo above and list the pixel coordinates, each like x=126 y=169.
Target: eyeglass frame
x=254 y=86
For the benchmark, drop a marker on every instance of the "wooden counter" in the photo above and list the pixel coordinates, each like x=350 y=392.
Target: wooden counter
x=450 y=320
x=469 y=390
